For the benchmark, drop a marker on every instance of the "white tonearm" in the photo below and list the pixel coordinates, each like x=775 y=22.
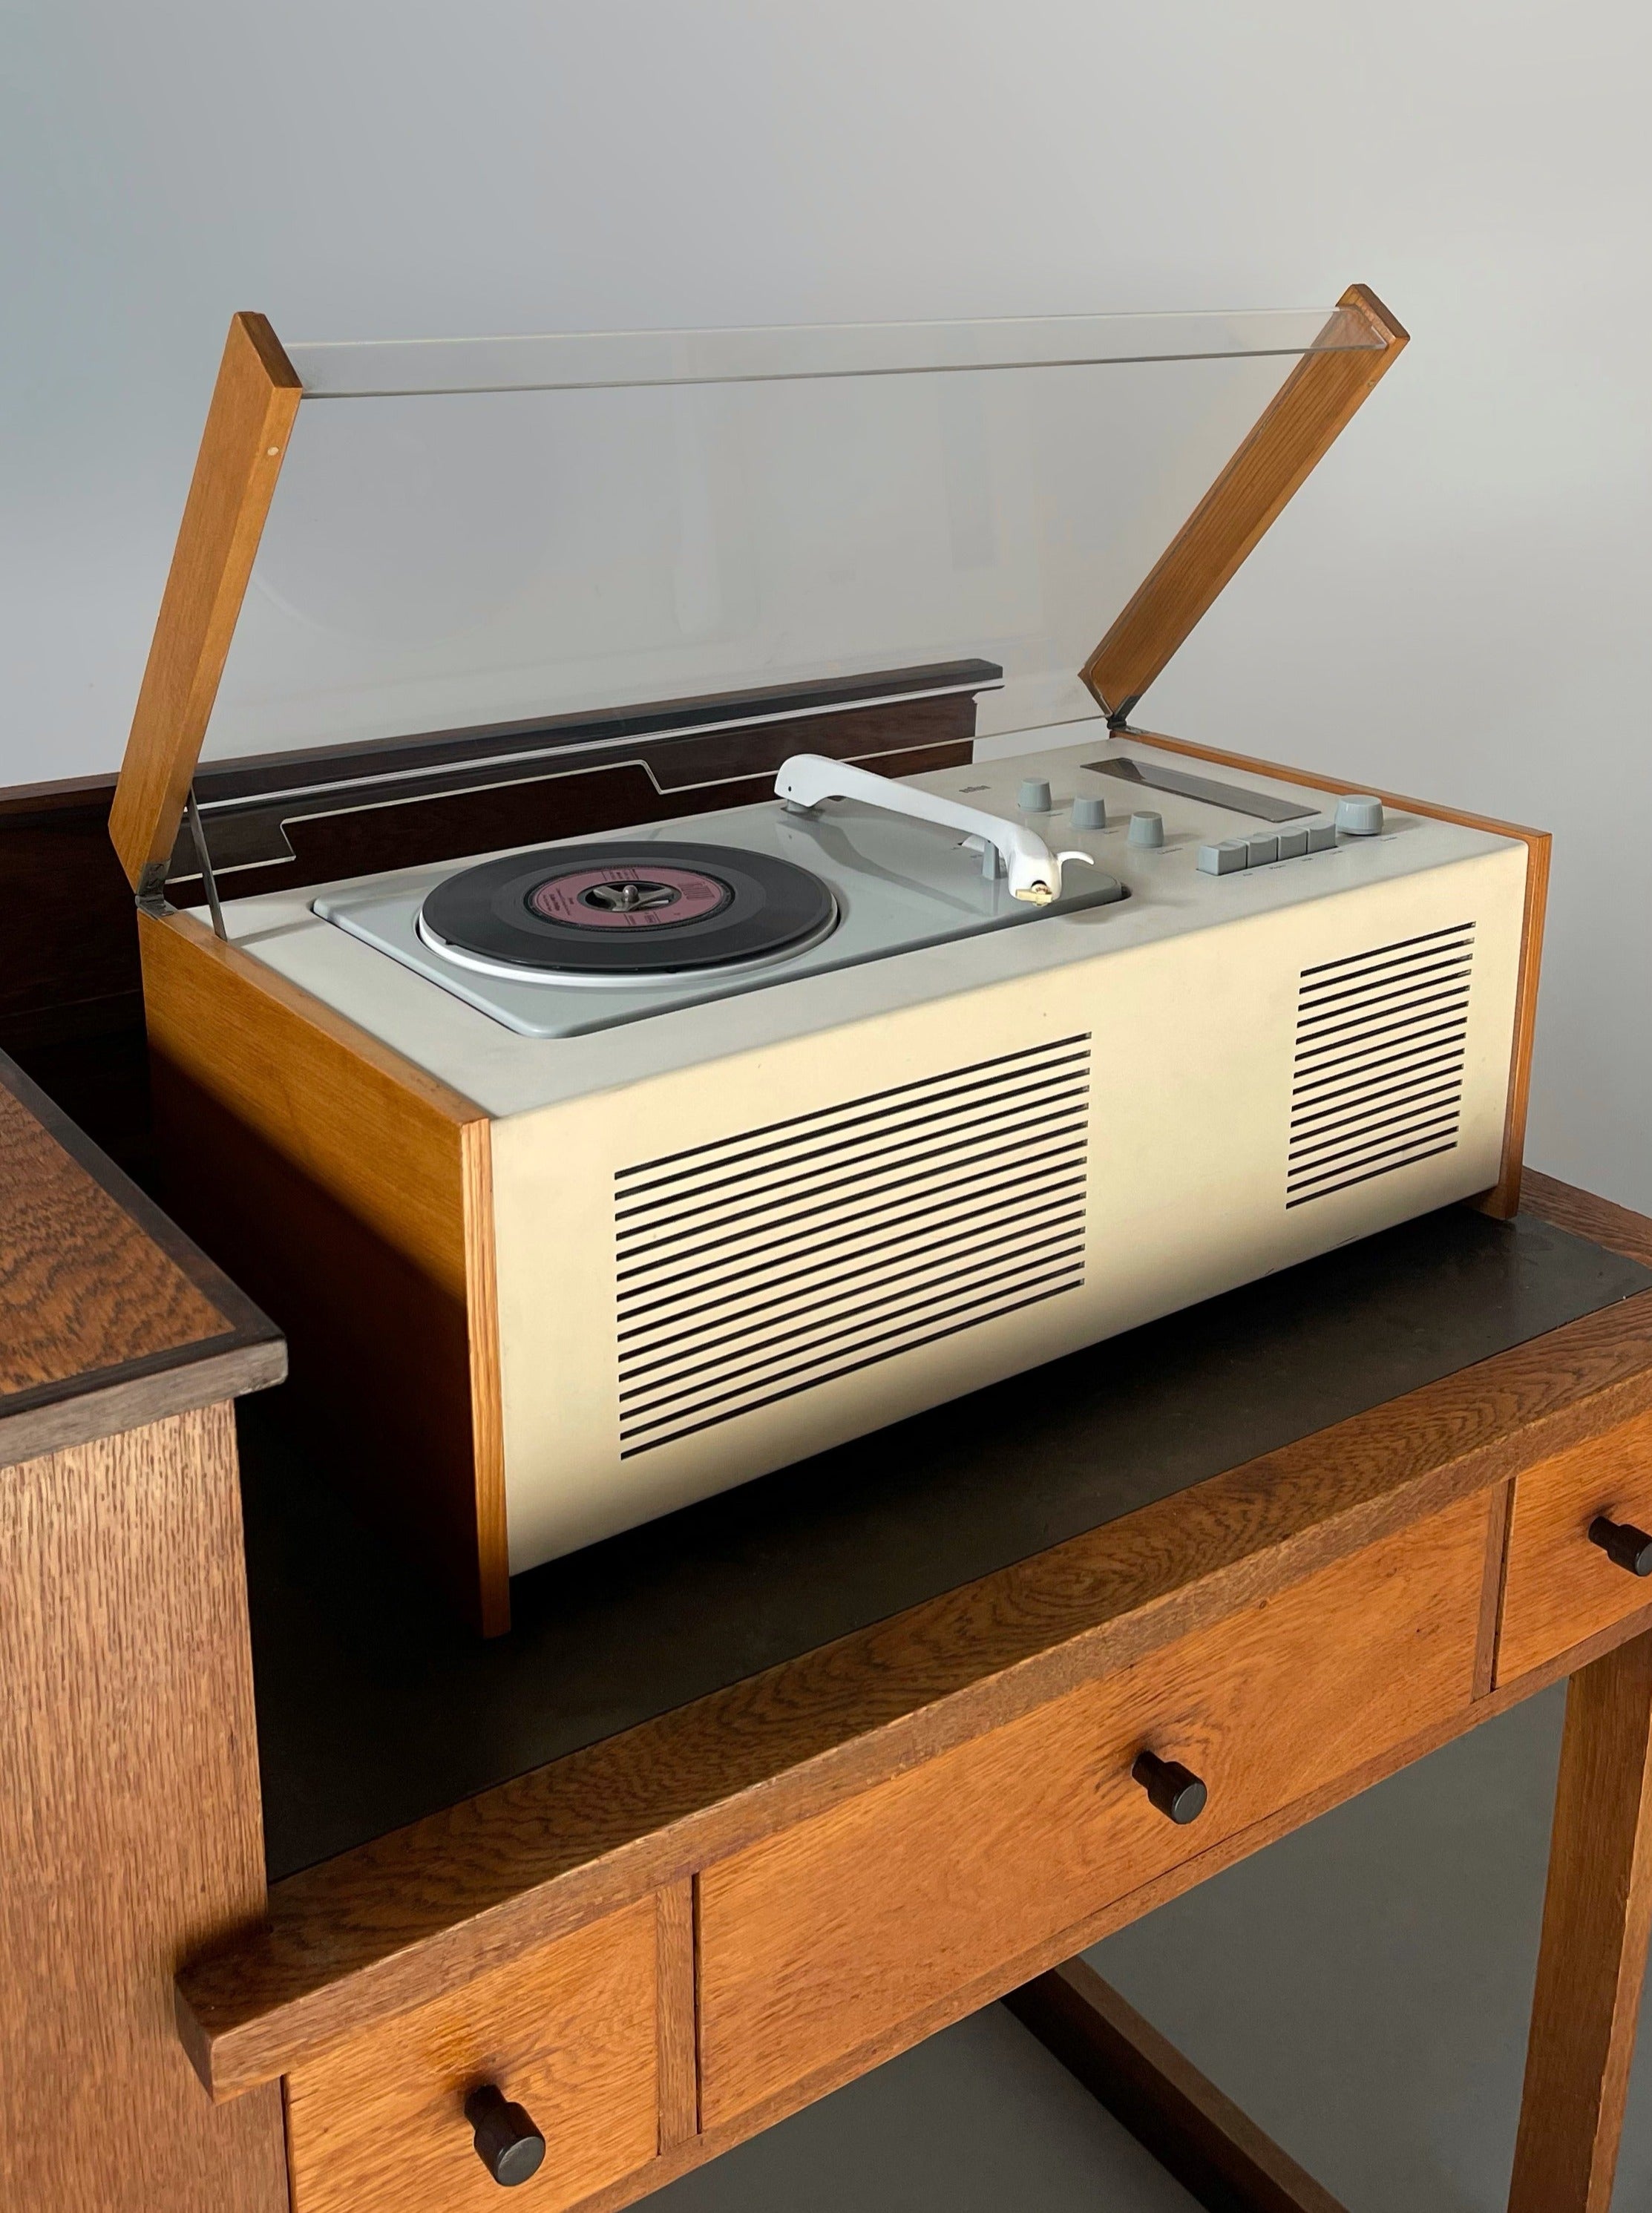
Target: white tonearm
x=1033 y=871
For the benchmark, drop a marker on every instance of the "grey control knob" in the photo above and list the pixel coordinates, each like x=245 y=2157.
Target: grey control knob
x=1360 y=815
x=1147 y=829
x=1090 y=813
x=1034 y=795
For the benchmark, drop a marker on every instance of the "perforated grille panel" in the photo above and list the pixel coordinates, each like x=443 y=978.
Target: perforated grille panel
x=1378 y=1078
x=781 y=1258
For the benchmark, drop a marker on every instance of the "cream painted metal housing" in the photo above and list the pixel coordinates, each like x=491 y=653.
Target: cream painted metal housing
x=733 y=1236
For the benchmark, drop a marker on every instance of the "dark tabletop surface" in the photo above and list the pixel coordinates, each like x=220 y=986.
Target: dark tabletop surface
x=376 y=1707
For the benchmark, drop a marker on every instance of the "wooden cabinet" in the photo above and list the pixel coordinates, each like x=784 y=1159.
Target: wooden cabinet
x=568 y=2031
x=820 y=1943
x=1560 y=1588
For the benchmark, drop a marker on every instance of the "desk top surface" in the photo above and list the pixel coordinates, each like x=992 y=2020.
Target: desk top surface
x=109 y=1317
x=374 y=1710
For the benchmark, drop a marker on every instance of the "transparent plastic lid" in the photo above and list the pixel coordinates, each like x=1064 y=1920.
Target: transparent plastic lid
x=471 y=533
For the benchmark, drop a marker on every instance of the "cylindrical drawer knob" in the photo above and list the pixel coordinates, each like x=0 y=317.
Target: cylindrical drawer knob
x=1622 y=1541
x=507 y=2143
x=1174 y=1789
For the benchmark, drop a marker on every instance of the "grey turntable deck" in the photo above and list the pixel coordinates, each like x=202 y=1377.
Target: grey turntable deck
x=898 y=884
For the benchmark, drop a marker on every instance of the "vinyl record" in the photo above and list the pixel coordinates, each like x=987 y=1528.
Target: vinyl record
x=618 y=912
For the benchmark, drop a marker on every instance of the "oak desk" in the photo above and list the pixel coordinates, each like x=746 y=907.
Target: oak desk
x=128 y=1803
x=752 y=1799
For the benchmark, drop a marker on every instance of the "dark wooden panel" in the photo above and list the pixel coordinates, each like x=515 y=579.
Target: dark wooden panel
x=129 y=1822
x=71 y=1007
x=656 y=782
x=1195 y=2132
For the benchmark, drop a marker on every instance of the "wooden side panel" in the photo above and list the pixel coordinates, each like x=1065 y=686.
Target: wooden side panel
x=1503 y=1200
x=829 y=1936
x=253 y=405
x=349 y=1193
x=1313 y=406
x=1596 y=1914
x=568 y=2033
x=130 y=1826
x=1559 y=1589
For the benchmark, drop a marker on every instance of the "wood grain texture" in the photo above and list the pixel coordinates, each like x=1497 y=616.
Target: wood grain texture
x=420 y=1911
x=378 y=2126
x=678 y=1909
x=1596 y=1915
x=1105 y=1922
x=1559 y=1588
x=349 y=1191
x=129 y=1829
x=845 y=1927
x=82 y=1287
x=108 y=1316
x=248 y=425
x=1504 y=1199
x=1317 y=401
x=1617 y=1227
x=1196 y=2133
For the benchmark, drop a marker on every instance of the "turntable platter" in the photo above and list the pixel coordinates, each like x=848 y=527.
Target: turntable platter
x=615 y=913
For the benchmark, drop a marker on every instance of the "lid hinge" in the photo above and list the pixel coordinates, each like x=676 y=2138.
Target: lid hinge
x=1119 y=716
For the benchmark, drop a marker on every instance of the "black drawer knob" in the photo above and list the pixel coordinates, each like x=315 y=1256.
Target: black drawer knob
x=1174 y=1789
x=507 y=2143
x=1622 y=1541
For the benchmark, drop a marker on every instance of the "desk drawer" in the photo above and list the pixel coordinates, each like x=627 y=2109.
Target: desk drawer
x=820 y=1943
x=1561 y=1589
x=569 y=2032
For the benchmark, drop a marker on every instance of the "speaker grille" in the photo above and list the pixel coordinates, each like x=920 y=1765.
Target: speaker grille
x=782 y=1257
x=1378 y=1076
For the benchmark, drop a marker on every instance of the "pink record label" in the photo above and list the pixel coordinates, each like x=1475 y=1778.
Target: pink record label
x=626 y=897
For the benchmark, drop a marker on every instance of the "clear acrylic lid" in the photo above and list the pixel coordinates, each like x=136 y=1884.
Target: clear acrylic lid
x=500 y=531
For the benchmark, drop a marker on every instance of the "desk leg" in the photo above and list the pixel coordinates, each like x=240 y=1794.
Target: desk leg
x=1194 y=2132
x=1595 y=1919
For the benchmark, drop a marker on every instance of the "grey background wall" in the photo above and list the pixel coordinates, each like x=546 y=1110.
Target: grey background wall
x=1456 y=605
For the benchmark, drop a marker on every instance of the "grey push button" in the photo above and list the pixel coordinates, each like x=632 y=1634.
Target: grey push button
x=1034 y=795
x=1147 y=829
x=1360 y=815
x=1090 y=813
x=1222 y=860
x=1261 y=847
x=1321 y=837
x=1293 y=844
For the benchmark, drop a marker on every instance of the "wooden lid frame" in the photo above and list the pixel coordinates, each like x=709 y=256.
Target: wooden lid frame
x=250 y=420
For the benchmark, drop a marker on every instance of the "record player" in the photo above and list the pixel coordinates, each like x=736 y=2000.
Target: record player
x=664 y=950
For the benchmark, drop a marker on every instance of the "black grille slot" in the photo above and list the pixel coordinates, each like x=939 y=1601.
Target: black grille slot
x=782 y=1257
x=1377 y=1082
